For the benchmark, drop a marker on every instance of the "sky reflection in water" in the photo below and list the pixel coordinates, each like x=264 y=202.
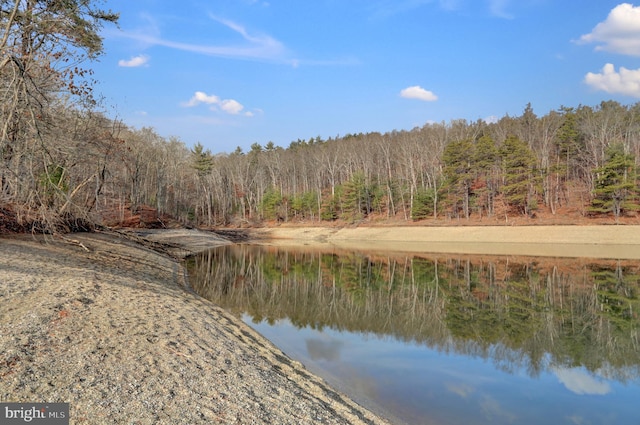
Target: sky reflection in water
x=419 y=385
x=444 y=373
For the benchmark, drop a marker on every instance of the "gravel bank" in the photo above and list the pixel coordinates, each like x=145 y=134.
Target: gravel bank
x=114 y=332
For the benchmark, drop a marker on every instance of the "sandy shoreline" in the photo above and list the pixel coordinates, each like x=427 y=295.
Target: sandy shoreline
x=616 y=242
x=113 y=332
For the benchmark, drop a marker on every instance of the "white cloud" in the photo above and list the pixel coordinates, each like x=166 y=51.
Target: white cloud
x=230 y=106
x=579 y=382
x=417 y=92
x=201 y=97
x=134 y=62
x=626 y=81
x=619 y=33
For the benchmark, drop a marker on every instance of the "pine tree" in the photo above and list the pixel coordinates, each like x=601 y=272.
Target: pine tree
x=458 y=172
x=355 y=200
x=202 y=160
x=520 y=181
x=422 y=204
x=486 y=173
x=616 y=187
x=271 y=205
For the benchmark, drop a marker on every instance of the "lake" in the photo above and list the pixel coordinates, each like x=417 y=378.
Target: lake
x=446 y=339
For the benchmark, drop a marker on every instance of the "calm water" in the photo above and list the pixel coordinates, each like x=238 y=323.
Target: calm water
x=435 y=339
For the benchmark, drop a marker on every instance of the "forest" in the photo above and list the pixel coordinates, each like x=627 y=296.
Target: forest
x=65 y=165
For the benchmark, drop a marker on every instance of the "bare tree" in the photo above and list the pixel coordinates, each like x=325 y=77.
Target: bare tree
x=42 y=45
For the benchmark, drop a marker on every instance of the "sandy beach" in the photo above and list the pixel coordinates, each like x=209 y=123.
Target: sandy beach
x=106 y=322
x=112 y=330
x=613 y=242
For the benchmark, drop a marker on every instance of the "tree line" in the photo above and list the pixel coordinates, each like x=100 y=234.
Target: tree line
x=65 y=165
x=584 y=158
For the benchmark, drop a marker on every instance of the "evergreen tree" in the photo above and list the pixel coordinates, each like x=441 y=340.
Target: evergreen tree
x=459 y=174
x=330 y=208
x=202 y=160
x=355 y=200
x=616 y=186
x=567 y=142
x=271 y=205
x=520 y=181
x=486 y=173
x=423 y=201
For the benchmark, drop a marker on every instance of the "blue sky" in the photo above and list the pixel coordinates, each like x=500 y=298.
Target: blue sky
x=230 y=73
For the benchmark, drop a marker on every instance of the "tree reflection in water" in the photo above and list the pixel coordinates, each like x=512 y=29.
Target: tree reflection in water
x=542 y=315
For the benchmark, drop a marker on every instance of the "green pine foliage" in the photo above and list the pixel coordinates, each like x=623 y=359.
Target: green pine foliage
x=271 y=204
x=617 y=293
x=423 y=201
x=357 y=198
x=329 y=210
x=305 y=206
x=520 y=180
x=487 y=177
x=616 y=184
x=459 y=174
x=202 y=160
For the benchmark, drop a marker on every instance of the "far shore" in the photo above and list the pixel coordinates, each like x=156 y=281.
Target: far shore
x=602 y=241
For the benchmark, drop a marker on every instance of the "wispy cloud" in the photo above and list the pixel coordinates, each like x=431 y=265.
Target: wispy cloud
x=250 y=45
x=134 y=62
x=417 y=92
x=230 y=106
x=626 y=81
x=619 y=33
x=262 y=46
